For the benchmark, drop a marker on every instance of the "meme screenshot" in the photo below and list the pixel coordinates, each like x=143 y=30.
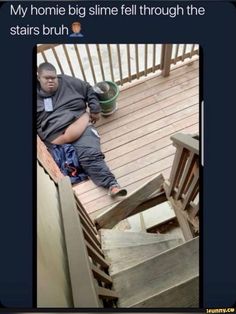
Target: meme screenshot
x=118 y=157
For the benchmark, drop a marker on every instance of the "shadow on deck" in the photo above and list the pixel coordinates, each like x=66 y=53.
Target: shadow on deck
x=136 y=138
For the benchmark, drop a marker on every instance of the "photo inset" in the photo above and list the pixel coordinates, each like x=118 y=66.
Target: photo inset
x=118 y=175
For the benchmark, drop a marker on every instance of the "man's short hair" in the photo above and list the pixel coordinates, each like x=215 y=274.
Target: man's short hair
x=46 y=66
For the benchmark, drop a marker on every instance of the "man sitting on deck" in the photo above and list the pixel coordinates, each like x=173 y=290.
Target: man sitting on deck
x=62 y=119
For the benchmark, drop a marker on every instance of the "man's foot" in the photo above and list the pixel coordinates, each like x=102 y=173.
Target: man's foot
x=116 y=190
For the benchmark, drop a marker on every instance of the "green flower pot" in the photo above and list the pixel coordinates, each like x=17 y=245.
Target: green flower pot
x=108 y=99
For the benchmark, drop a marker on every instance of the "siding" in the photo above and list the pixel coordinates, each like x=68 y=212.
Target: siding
x=53 y=283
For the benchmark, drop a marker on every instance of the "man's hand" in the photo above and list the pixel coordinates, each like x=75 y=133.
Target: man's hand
x=94 y=117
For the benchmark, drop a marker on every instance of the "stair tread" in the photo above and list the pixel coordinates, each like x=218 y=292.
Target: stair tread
x=185 y=295
x=124 y=233
x=114 y=239
x=157 y=273
x=126 y=257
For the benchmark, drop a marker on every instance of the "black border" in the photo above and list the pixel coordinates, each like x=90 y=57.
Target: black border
x=34 y=171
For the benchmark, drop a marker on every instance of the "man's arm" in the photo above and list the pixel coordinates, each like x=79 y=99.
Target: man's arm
x=90 y=97
x=93 y=104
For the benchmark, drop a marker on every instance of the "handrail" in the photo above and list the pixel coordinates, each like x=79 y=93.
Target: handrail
x=48 y=163
x=88 y=268
x=182 y=188
x=186 y=141
x=121 y=63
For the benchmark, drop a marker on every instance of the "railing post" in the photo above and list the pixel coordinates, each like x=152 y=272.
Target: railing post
x=91 y=74
x=183 y=186
x=166 y=59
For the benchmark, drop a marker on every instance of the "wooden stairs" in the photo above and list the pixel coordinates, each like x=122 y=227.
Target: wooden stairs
x=125 y=249
x=150 y=270
x=158 y=270
x=136 y=269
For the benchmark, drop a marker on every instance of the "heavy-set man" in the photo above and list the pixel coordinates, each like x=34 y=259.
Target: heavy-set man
x=62 y=118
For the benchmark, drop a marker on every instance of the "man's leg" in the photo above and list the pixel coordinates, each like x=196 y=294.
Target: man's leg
x=101 y=175
x=92 y=161
x=97 y=169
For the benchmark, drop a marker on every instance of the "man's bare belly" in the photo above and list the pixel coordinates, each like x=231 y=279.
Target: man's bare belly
x=74 y=131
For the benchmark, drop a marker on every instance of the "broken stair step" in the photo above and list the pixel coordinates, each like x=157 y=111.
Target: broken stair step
x=114 y=239
x=184 y=295
x=126 y=257
x=157 y=274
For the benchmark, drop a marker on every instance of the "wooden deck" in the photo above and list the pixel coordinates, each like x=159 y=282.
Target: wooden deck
x=136 y=138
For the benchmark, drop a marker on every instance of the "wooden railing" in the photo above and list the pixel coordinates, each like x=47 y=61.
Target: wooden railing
x=121 y=63
x=88 y=268
x=182 y=189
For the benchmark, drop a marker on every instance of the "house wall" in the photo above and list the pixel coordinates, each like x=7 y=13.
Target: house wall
x=53 y=283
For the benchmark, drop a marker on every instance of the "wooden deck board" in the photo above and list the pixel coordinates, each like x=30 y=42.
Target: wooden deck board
x=152 y=81
x=146 y=110
x=149 y=97
x=191 y=127
x=146 y=126
x=136 y=138
x=88 y=187
x=156 y=115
